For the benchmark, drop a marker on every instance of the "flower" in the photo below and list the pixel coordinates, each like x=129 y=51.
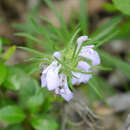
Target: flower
x=89 y=53
x=54 y=79
x=50 y=76
x=79 y=77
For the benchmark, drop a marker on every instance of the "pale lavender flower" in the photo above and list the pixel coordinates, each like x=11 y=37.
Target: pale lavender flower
x=53 y=80
x=79 y=77
x=50 y=77
x=57 y=54
x=81 y=39
x=89 y=53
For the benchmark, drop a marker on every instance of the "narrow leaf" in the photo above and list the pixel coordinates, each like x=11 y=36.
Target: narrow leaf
x=8 y=54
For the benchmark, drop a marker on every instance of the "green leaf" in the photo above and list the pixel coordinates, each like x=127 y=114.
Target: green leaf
x=18 y=80
x=44 y=123
x=9 y=53
x=14 y=127
x=42 y=30
x=102 y=68
x=124 y=31
x=3 y=73
x=53 y=28
x=6 y=100
x=103 y=88
x=31 y=37
x=30 y=68
x=5 y=41
x=93 y=83
x=24 y=27
x=0 y=45
x=74 y=36
x=109 y=7
x=69 y=80
x=1 y=20
x=106 y=29
x=83 y=17
x=59 y=17
x=34 y=102
x=123 y=5
x=14 y=79
x=71 y=41
x=12 y=114
x=32 y=51
x=107 y=39
x=123 y=66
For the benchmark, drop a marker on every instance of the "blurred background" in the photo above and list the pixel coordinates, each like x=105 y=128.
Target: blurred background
x=24 y=105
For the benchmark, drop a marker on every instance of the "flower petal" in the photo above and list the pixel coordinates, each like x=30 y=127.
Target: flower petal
x=91 y=54
x=64 y=91
x=84 y=66
x=43 y=80
x=43 y=76
x=81 y=78
x=57 y=54
x=82 y=39
x=52 y=78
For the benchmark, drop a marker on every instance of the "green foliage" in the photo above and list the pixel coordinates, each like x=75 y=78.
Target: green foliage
x=35 y=104
x=124 y=31
x=83 y=17
x=44 y=122
x=32 y=51
x=12 y=114
x=8 y=54
x=59 y=17
x=106 y=29
x=0 y=46
x=98 y=88
x=1 y=20
x=15 y=79
x=5 y=41
x=121 y=65
x=109 y=7
x=3 y=73
x=123 y=5
x=14 y=127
